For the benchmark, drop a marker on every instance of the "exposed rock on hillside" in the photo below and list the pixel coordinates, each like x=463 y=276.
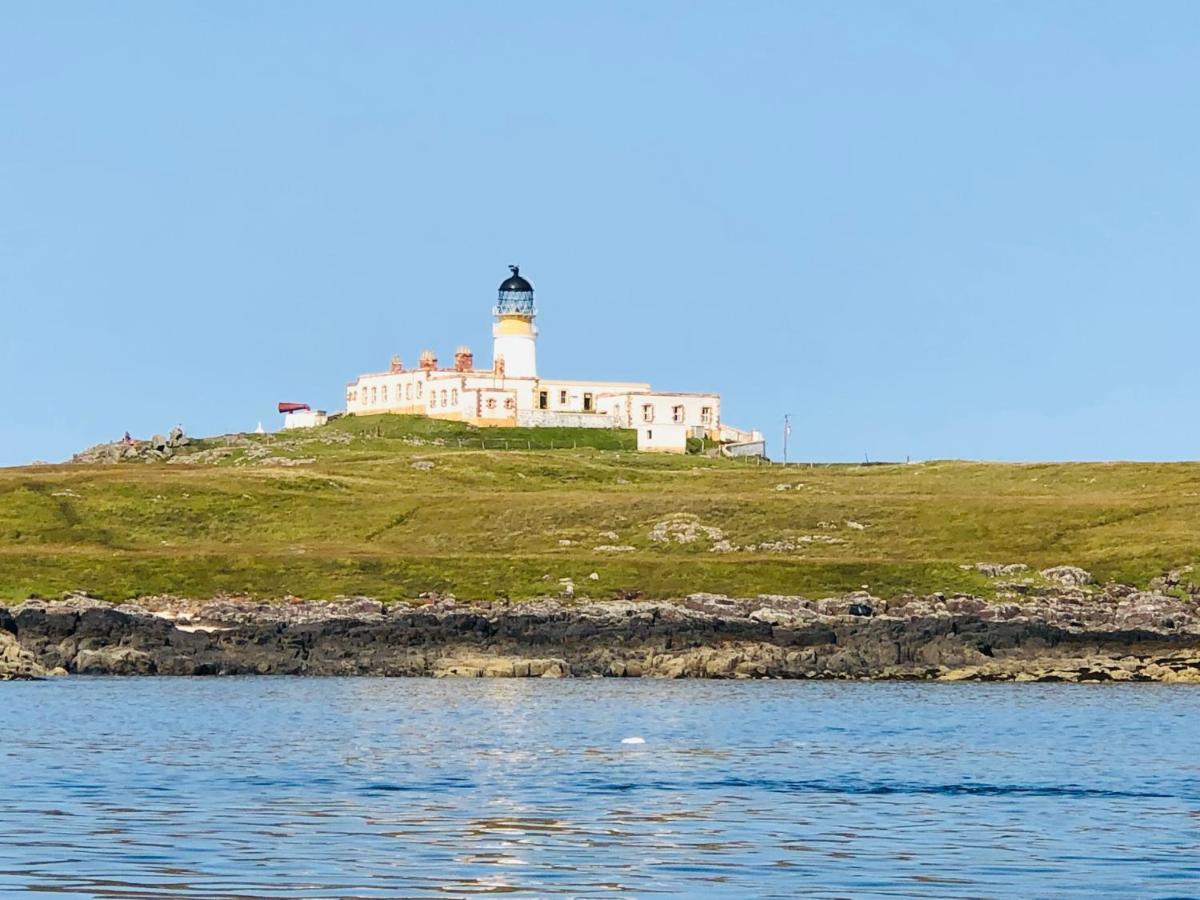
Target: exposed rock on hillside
x=996 y=570
x=157 y=449
x=178 y=449
x=1071 y=576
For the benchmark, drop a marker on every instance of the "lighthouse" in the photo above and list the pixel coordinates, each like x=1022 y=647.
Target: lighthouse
x=514 y=346
x=511 y=393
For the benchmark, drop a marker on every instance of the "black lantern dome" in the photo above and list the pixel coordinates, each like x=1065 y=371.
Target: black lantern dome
x=515 y=282
x=516 y=295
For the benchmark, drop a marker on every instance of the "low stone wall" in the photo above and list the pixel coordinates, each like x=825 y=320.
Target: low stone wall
x=545 y=418
x=747 y=448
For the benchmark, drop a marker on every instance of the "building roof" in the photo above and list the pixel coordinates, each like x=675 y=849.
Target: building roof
x=515 y=282
x=590 y=382
x=441 y=374
x=651 y=393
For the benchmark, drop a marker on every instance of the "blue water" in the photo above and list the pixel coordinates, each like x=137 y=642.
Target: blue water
x=264 y=787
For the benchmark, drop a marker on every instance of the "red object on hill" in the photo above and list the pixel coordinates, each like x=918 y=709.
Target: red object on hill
x=293 y=407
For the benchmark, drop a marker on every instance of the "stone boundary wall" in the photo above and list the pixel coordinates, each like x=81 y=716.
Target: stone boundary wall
x=546 y=418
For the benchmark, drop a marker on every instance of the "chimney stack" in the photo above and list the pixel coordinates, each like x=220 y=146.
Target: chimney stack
x=464 y=359
x=428 y=360
x=397 y=366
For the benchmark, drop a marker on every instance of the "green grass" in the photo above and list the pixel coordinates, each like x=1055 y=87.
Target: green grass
x=361 y=518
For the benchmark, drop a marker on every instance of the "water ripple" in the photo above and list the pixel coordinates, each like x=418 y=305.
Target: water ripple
x=270 y=788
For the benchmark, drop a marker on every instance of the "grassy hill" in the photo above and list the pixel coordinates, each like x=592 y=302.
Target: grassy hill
x=391 y=506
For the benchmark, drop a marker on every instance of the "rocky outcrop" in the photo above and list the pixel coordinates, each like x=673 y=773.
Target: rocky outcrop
x=16 y=663
x=1115 y=633
x=1070 y=576
x=157 y=449
x=236 y=449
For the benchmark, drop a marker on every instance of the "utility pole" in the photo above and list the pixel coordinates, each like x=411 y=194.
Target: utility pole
x=787 y=430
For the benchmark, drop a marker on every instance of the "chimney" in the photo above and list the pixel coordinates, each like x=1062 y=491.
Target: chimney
x=428 y=360
x=464 y=359
x=397 y=366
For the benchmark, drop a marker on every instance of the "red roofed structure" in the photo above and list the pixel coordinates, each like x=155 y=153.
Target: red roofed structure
x=301 y=415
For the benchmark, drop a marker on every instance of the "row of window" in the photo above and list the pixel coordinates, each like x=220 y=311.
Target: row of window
x=544 y=400
x=379 y=394
x=678 y=414
x=453 y=398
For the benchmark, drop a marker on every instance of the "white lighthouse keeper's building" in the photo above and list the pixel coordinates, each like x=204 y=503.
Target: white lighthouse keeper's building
x=512 y=393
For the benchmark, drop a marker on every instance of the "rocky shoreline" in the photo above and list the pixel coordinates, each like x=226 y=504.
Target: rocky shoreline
x=1064 y=633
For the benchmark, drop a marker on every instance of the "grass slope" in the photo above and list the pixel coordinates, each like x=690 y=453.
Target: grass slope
x=368 y=515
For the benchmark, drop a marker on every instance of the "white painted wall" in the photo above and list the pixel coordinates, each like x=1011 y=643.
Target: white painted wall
x=467 y=394
x=494 y=403
x=748 y=448
x=519 y=352
x=572 y=395
x=631 y=408
x=664 y=438
x=305 y=418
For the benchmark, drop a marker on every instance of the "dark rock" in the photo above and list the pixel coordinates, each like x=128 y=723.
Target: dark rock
x=1058 y=633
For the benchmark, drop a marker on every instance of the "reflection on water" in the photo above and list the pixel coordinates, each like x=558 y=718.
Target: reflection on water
x=383 y=788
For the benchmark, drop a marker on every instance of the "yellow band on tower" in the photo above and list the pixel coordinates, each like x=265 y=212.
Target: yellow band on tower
x=514 y=325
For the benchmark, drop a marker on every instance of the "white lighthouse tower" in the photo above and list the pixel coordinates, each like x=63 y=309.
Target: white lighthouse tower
x=514 y=346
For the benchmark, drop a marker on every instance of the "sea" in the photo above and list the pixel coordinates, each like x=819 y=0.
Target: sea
x=373 y=787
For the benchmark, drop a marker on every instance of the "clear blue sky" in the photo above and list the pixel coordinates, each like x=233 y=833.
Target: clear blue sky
x=923 y=229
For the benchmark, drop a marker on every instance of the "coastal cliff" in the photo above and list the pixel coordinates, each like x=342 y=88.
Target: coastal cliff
x=1112 y=633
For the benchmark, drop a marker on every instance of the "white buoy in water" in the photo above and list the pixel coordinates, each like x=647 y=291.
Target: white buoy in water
x=633 y=740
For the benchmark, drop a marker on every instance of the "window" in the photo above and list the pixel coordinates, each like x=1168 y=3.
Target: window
x=454 y=397
x=383 y=393
x=510 y=403
x=587 y=402
x=647 y=412
x=649 y=435
x=408 y=391
x=418 y=390
x=706 y=415
x=374 y=395
x=562 y=398
x=676 y=413
x=432 y=399
x=543 y=399
x=443 y=396
x=491 y=403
